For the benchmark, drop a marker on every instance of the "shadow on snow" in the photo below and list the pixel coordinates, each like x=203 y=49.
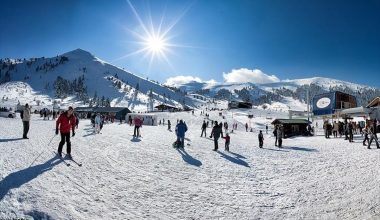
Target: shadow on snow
x=236 y=160
x=10 y=139
x=302 y=149
x=38 y=215
x=188 y=158
x=19 y=178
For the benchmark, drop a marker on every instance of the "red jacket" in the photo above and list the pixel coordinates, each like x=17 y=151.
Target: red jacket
x=138 y=122
x=66 y=122
x=227 y=138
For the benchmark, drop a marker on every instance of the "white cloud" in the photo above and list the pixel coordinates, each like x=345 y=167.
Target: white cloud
x=180 y=80
x=244 y=75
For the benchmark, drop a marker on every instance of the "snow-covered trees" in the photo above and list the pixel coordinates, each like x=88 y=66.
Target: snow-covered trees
x=77 y=87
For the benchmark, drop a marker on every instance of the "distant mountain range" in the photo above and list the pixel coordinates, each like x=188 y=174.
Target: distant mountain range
x=79 y=78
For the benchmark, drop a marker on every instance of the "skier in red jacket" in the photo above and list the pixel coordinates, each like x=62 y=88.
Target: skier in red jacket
x=65 y=122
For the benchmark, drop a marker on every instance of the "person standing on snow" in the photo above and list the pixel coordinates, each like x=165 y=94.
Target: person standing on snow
x=275 y=134
x=181 y=129
x=65 y=122
x=335 y=129
x=266 y=128
x=138 y=123
x=261 y=139
x=169 y=125
x=373 y=136
x=25 y=116
x=216 y=132
x=280 y=133
x=204 y=126
x=350 y=132
x=98 y=121
x=246 y=127
x=366 y=132
x=227 y=144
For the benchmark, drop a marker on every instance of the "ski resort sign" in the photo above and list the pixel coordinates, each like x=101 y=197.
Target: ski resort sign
x=323 y=102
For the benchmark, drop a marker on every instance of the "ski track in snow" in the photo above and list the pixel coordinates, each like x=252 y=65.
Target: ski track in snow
x=146 y=178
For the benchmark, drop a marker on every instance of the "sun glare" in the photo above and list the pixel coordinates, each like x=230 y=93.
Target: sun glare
x=154 y=40
x=155 y=44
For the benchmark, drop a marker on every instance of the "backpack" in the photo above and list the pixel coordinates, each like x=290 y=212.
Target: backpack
x=177 y=144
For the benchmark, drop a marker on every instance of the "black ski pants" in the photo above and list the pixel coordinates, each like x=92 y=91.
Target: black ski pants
x=65 y=137
x=136 y=131
x=261 y=143
x=366 y=139
x=216 y=143
x=203 y=131
x=26 y=128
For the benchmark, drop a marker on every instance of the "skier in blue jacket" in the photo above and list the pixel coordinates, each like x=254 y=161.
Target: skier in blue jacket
x=181 y=129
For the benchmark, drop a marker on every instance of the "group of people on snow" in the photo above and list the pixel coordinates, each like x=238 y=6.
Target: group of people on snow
x=349 y=128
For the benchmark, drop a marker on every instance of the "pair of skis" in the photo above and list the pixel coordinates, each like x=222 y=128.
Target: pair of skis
x=70 y=159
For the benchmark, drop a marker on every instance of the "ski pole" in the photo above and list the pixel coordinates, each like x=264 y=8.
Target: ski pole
x=42 y=151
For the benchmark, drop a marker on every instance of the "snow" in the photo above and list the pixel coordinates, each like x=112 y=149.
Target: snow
x=96 y=73
x=126 y=178
x=326 y=83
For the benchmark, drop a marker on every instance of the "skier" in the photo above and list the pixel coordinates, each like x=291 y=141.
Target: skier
x=227 y=144
x=266 y=128
x=216 y=132
x=138 y=123
x=98 y=121
x=280 y=133
x=181 y=129
x=204 y=126
x=169 y=125
x=246 y=127
x=65 y=122
x=261 y=139
x=25 y=116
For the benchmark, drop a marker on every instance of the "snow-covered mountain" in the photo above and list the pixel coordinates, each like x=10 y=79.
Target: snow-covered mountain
x=80 y=77
x=289 y=93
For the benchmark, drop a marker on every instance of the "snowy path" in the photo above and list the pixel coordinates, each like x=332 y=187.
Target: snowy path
x=126 y=178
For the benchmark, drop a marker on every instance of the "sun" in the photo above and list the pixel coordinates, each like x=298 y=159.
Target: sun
x=154 y=41
x=156 y=44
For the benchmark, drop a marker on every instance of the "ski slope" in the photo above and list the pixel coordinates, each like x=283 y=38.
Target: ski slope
x=145 y=178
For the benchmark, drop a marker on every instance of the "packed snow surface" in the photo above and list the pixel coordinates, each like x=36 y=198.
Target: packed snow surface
x=146 y=178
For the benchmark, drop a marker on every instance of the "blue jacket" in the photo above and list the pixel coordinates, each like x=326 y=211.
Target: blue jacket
x=181 y=128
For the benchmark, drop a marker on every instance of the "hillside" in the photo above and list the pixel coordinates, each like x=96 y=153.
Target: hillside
x=80 y=77
x=289 y=93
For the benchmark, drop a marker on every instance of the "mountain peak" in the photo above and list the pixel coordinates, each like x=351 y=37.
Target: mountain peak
x=79 y=54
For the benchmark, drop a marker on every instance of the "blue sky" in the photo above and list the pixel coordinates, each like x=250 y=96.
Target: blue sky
x=285 y=38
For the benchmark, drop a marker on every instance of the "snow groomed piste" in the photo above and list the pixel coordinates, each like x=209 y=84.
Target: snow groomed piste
x=126 y=177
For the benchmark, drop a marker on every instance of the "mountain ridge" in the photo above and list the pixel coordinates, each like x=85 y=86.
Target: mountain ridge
x=79 y=76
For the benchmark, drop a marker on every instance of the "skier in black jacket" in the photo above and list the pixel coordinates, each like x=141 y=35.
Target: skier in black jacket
x=204 y=126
